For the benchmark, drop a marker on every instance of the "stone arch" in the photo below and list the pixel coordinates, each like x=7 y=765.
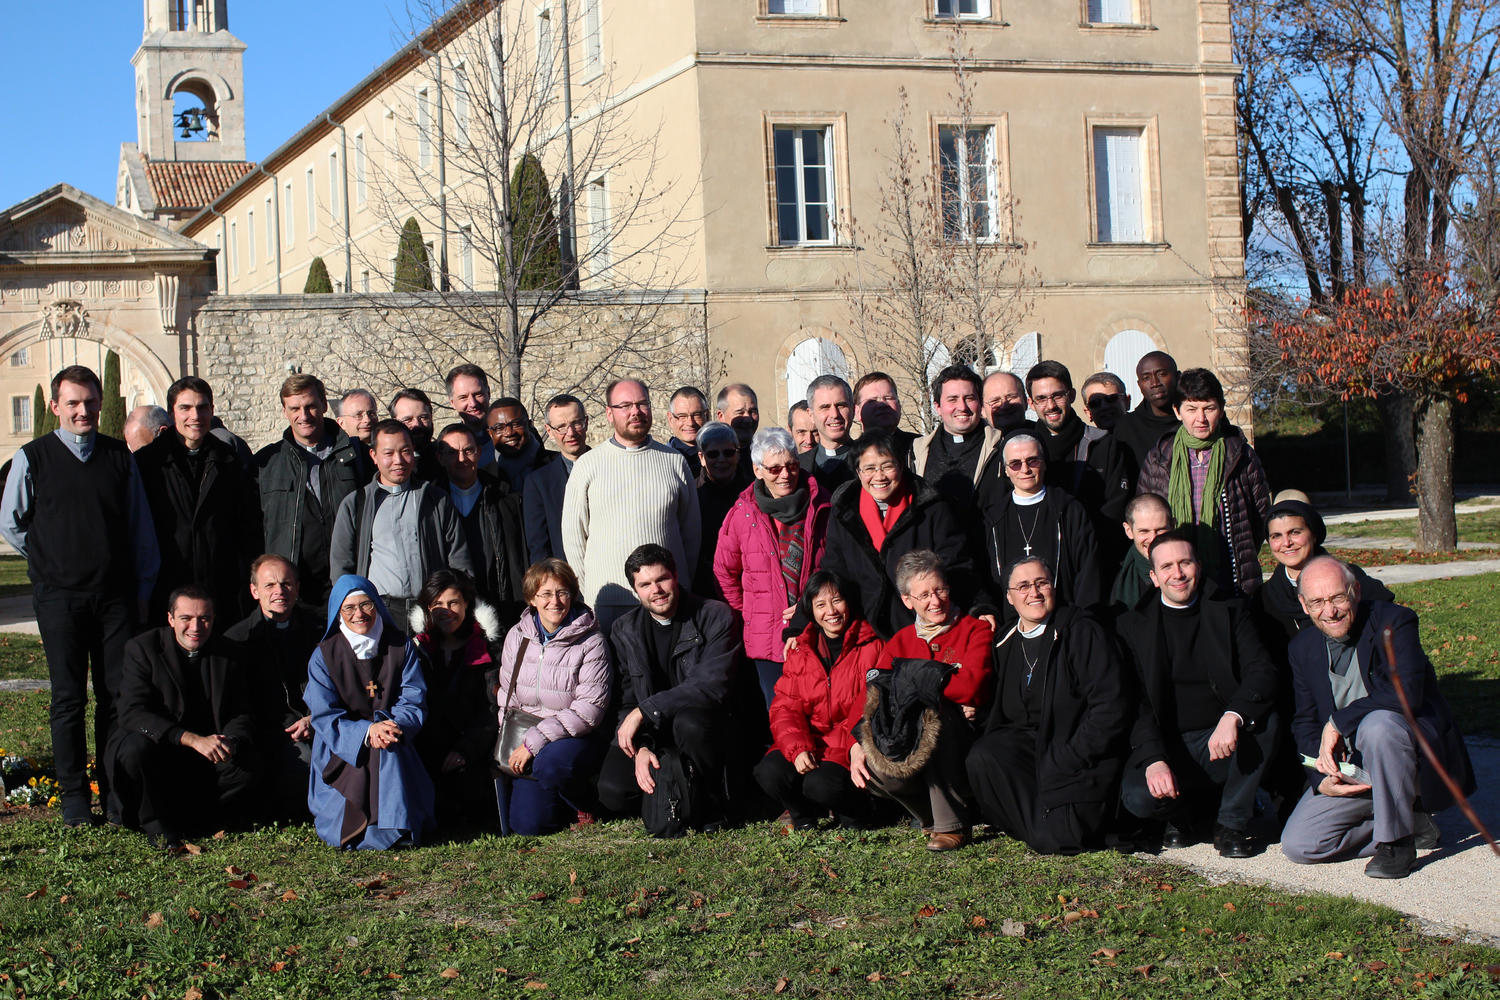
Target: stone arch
x=789 y=363
x=158 y=376
x=220 y=90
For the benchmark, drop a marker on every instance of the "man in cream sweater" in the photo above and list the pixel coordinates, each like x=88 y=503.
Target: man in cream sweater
x=629 y=491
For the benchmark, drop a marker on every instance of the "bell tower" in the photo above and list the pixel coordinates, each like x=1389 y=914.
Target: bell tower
x=189 y=83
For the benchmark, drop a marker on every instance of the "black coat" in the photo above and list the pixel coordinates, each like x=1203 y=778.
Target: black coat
x=1100 y=472
x=1071 y=552
x=1085 y=711
x=1312 y=694
x=1280 y=614
x=1241 y=673
x=276 y=672
x=704 y=660
x=500 y=569
x=869 y=576
x=151 y=701
x=541 y=509
x=209 y=539
x=830 y=477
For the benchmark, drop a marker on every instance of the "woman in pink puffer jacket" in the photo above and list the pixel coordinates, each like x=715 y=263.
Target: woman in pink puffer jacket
x=559 y=663
x=769 y=545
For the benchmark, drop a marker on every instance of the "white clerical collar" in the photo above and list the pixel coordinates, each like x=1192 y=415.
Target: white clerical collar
x=1026 y=501
x=1032 y=633
x=394 y=488
x=1177 y=607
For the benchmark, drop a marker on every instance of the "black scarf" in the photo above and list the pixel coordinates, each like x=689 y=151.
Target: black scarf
x=1060 y=445
x=790 y=509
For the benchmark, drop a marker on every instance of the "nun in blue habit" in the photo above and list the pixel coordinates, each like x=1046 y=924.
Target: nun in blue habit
x=367 y=789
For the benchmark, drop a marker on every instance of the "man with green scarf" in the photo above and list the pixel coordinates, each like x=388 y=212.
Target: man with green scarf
x=1214 y=483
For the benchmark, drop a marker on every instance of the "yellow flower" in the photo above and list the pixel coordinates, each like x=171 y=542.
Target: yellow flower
x=52 y=802
x=31 y=782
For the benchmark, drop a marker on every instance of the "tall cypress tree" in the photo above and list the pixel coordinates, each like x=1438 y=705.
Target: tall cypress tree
x=40 y=412
x=318 y=281
x=112 y=413
x=413 y=271
x=534 y=225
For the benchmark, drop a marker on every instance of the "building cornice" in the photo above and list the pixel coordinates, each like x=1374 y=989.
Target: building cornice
x=945 y=64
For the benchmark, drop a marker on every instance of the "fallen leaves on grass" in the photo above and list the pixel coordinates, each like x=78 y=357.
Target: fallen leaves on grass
x=1013 y=928
x=449 y=973
x=155 y=920
x=781 y=985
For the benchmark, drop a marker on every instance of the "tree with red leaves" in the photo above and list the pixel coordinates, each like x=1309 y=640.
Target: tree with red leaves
x=1426 y=339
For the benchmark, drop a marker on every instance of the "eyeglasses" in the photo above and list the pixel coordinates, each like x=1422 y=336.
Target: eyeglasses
x=1340 y=602
x=721 y=453
x=1099 y=399
x=1030 y=462
x=573 y=425
x=696 y=415
x=362 y=608
x=941 y=593
x=1032 y=586
x=777 y=471
x=507 y=425
x=1060 y=398
x=551 y=596
x=632 y=404
x=880 y=399
x=884 y=468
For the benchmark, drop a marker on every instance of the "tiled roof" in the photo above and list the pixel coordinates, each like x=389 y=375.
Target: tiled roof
x=192 y=184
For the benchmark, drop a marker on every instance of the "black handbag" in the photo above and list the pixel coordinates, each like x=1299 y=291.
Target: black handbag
x=514 y=722
x=668 y=811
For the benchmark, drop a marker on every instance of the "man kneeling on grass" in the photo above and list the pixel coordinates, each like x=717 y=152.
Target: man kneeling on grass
x=1368 y=775
x=182 y=758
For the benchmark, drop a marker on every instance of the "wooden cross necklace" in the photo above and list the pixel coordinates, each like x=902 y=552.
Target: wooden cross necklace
x=372 y=689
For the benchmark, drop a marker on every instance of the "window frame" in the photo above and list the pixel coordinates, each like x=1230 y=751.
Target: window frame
x=310 y=192
x=592 y=41
x=20 y=414
x=466 y=257
x=835 y=126
x=335 y=205
x=234 y=238
x=462 y=103
x=289 y=224
x=1153 y=230
x=997 y=139
x=596 y=210
x=424 y=128
x=828 y=10
x=1140 y=11
x=21 y=357
x=270 y=228
x=361 y=171
x=984 y=10
x=250 y=238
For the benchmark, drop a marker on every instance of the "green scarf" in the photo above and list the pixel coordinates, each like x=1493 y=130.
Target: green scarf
x=1180 y=479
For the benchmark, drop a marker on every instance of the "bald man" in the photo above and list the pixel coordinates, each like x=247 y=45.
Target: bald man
x=143 y=424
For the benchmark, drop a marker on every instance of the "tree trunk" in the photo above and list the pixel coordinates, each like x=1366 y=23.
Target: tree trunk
x=1437 y=526
x=1400 y=445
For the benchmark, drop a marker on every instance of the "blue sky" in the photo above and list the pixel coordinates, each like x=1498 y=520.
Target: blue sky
x=69 y=77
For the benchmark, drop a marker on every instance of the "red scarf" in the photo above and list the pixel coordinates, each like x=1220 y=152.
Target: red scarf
x=869 y=512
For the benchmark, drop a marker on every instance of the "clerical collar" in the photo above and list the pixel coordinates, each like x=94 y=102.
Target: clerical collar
x=1032 y=633
x=279 y=624
x=393 y=488
x=1025 y=501
x=834 y=452
x=82 y=439
x=961 y=438
x=663 y=622
x=191 y=654
x=1178 y=607
x=629 y=447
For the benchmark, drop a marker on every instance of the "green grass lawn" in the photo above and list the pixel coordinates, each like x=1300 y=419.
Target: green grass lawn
x=1458 y=633
x=607 y=912
x=1483 y=526
x=13 y=580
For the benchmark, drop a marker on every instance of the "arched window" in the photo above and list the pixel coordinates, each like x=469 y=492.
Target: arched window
x=1124 y=350
x=813 y=357
x=195 y=112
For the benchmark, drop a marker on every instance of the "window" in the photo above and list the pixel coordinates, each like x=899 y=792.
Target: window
x=219 y=265
x=597 y=201
x=593 y=39
x=364 y=281
x=361 y=192
x=20 y=414
x=310 y=193
x=466 y=256
x=1124 y=350
x=270 y=229
x=234 y=240
x=461 y=104
x=544 y=56
x=333 y=187
x=803 y=161
x=290 y=216
x=1120 y=185
x=812 y=8
x=1112 y=12
x=21 y=358
x=961 y=8
x=424 y=126
x=250 y=239
x=811 y=358
x=968 y=182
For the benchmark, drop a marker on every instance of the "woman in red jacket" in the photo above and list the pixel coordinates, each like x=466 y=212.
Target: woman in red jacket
x=819 y=697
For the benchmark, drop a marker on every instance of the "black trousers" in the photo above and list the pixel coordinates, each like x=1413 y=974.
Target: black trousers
x=809 y=797
x=702 y=735
x=1002 y=771
x=167 y=789
x=83 y=635
x=1235 y=778
x=283 y=764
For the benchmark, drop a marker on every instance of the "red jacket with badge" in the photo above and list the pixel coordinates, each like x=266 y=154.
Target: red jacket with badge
x=966 y=645
x=814 y=709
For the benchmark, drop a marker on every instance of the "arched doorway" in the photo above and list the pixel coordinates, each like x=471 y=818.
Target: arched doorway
x=810 y=358
x=1124 y=350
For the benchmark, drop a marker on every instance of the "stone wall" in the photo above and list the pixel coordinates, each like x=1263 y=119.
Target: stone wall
x=248 y=344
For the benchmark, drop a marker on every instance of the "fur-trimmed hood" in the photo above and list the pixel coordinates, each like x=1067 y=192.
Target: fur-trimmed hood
x=485 y=616
x=929 y=728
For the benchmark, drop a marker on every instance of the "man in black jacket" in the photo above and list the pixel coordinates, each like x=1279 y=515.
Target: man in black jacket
x=302 y=480
x=490 y=511
x=202 y=501
x=1046 y=768
x=677 y=656
x=275 y=641
x=1347 y=711
x=1153 y=419
x=542 y=500
x=1206 y=720
x=183 y=757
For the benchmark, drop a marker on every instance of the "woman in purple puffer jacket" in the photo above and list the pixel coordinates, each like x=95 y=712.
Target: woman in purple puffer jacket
x=769 y=545
x=565 y=678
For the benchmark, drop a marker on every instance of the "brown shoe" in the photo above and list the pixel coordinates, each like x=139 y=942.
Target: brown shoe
x=947 y=841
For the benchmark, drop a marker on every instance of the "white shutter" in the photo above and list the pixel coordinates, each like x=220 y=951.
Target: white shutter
x=795 y=7
x=813 y=357
x=1026 y=353
x=1112 y=11
x=1124 y=350
x=1119 y=185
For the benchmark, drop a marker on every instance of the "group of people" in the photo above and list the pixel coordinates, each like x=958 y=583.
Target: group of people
x=1055 y=627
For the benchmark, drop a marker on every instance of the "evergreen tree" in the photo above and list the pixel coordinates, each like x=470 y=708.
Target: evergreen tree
x=112 y=413
x=318 y=281
x=538 y=246
x=413 y=272
x=40 y=412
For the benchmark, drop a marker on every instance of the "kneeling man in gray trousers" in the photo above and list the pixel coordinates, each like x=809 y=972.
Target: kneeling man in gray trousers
x=1347 y=712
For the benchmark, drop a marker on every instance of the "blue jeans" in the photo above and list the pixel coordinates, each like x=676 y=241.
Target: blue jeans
x=546 y=798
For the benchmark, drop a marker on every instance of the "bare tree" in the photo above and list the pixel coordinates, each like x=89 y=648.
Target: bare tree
x=553 y=285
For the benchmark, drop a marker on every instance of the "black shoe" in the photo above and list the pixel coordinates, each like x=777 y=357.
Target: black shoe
x=1175 y=836
x=1232 y=843
x=1393 y=860
x=1425 y=832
